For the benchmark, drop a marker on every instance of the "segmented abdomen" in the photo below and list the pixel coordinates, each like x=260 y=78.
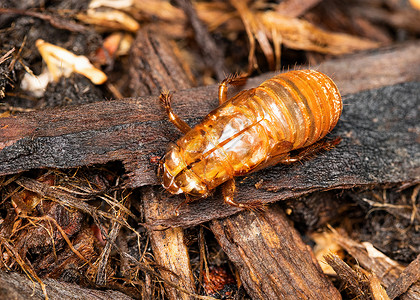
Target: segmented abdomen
x=302 y=106
x=289 y=111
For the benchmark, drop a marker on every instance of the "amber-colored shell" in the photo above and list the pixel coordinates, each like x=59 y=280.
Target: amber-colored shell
x=252 y=130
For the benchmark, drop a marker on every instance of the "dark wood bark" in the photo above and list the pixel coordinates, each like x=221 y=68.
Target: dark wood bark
x=154 y=66
x=271 y=258
x=17 y=286
x=133 y=130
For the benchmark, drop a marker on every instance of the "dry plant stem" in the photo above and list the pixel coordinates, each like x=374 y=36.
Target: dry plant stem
x=170 y=251
x=27 y=268
x=212 y=54
x=255 y=30
x=378 y=291
x=376 y=262
x=355 y=283
x=145 y=267
x=63 y=198
x=295 y=8
x=112 y=236
x=271 y=258
x=300 y=34
x=7 y=55
x=17 y=286
x=409 y=276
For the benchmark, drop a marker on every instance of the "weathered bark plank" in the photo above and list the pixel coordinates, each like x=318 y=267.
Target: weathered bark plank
x=271 y=258
x=17 y=286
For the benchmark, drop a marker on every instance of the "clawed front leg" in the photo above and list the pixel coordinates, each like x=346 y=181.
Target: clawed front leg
x=228 y=190
x=235 y=81
x=165 y=99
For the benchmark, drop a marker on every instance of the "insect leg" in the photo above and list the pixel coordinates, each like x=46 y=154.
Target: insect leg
x=311 y=151
x=228 y=190
x=165 y=99
x=185 y=202
x=235 y=81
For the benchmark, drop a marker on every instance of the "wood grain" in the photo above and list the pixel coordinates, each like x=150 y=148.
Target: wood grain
x=271 y=258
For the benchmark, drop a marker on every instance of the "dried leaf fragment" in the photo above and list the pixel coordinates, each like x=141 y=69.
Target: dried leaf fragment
x=109 y=19
x=415 y=4
x=300 y=34
x=61 y=62
x=255 y=30
x=294 y=33
x=117 y=4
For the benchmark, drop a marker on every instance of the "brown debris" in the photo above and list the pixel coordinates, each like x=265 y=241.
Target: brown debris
x=377 y=290
x=52 y=19
x=382 y=266
x=293 y=33
x=295 y=8
x=190 y=104
x=300 y=34
x=355 y=283
x=121 y=216
x=109 y=19
x=141 y=135
x=16 y=286
x=270 y=257
x=408 y=277
x=212 y=53
x=218 y=282
x=62 y=62
x=403 y=19
x=170 y=251
x=255 y=30
x=169 y=248
x=155 y=67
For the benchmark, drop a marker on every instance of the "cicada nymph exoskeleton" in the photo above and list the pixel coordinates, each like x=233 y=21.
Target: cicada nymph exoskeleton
x=252 y=130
